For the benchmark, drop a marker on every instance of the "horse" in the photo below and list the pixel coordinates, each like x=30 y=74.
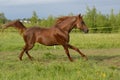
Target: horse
x=58 y=34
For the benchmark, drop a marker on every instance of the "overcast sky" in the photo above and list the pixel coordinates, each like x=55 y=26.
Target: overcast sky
x=14 y=9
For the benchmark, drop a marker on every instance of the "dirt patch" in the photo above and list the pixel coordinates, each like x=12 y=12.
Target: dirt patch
x=105 y=57
x=114 y=61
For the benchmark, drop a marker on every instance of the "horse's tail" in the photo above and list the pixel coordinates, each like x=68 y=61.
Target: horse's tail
x=16 y=24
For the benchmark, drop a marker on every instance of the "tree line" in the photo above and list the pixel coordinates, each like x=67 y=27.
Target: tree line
x=97 y=22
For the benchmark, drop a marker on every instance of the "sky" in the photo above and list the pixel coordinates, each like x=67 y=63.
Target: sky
x=19 y=9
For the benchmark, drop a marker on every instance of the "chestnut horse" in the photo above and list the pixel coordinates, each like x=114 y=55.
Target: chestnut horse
x=55 y=35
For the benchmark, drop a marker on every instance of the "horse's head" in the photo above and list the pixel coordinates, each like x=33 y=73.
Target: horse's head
x=10 y=24
x=80 y=24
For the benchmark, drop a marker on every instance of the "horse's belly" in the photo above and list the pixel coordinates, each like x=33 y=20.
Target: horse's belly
x=47 y=41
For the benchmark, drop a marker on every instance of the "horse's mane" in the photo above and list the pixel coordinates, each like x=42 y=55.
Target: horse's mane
x=61 y=19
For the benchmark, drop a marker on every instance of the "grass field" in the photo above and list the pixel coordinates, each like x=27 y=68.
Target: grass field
x=103 y=51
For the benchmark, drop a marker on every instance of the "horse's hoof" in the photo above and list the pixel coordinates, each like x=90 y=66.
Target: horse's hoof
x=85 y=58
x=20 y=58
x=31 y=58
x=71 y=60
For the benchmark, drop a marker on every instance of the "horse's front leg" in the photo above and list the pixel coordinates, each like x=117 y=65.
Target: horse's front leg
x=67 y=52
x=76 y=49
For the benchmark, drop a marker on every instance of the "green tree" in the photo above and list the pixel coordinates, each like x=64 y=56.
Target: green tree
x=48 y=22
x=3 y=19
x=112 y=20
x=118 y=21
x=90 y=18
x=34 y=18
x=102 y=23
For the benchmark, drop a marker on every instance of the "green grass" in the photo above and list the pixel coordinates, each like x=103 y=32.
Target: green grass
x=52 y=63
x=95 y=41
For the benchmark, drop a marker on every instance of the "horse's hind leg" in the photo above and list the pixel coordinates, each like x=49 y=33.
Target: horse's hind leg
x=29 y=48
x=29 y=43
x=30 y=57
x=22 y=52
x=76 y=49
x=26 y=49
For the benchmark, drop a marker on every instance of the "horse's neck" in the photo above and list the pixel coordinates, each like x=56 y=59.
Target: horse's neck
x=67 y=25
